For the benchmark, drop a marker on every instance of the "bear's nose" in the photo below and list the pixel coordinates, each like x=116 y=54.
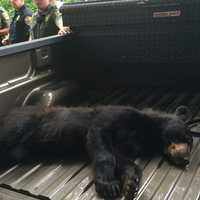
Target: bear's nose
x=185 y=161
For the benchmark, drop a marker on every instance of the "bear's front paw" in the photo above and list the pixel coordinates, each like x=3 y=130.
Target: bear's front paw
x=108 y=189
x=131 y=187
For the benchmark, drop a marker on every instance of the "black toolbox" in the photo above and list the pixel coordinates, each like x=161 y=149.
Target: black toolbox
x=162 y=31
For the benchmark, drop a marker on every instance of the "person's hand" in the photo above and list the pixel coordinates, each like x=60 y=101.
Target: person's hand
x=64 y=30
x=5 y=41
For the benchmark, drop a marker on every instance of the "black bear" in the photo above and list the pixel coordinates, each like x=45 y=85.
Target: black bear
x=113 y=136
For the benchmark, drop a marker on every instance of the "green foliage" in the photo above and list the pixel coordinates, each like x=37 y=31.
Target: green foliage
x=6 y=5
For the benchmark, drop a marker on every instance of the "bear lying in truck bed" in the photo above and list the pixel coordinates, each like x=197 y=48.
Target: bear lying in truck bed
x=113 y=136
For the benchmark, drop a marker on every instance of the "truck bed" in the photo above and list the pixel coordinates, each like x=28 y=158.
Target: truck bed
x=61 y=180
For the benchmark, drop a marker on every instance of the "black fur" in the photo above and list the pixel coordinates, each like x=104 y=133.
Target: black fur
x=112 y=135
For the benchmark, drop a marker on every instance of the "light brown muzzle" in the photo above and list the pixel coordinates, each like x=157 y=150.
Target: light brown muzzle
x=179 y=153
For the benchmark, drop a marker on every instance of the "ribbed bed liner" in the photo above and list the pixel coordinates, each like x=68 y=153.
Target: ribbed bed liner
x=73 y=181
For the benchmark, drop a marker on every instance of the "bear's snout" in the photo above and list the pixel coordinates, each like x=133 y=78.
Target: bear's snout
x=179 y=153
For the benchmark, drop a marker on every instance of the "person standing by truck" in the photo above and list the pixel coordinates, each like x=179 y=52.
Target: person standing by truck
x=21 y=22
x=4 y=24
x=47 y=20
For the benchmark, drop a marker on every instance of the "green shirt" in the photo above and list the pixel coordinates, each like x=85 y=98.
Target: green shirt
x=46 y=23
x=4 y=20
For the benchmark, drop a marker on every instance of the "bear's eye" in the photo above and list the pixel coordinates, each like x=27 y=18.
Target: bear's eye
x=174 y=138
x=168 y=141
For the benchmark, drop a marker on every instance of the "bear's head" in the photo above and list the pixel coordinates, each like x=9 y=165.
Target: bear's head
x=177 y=138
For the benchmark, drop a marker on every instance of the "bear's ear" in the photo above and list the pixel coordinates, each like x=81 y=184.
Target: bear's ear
x=183 y=112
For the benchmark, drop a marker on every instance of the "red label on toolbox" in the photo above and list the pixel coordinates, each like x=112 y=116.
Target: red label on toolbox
x=175 y=13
